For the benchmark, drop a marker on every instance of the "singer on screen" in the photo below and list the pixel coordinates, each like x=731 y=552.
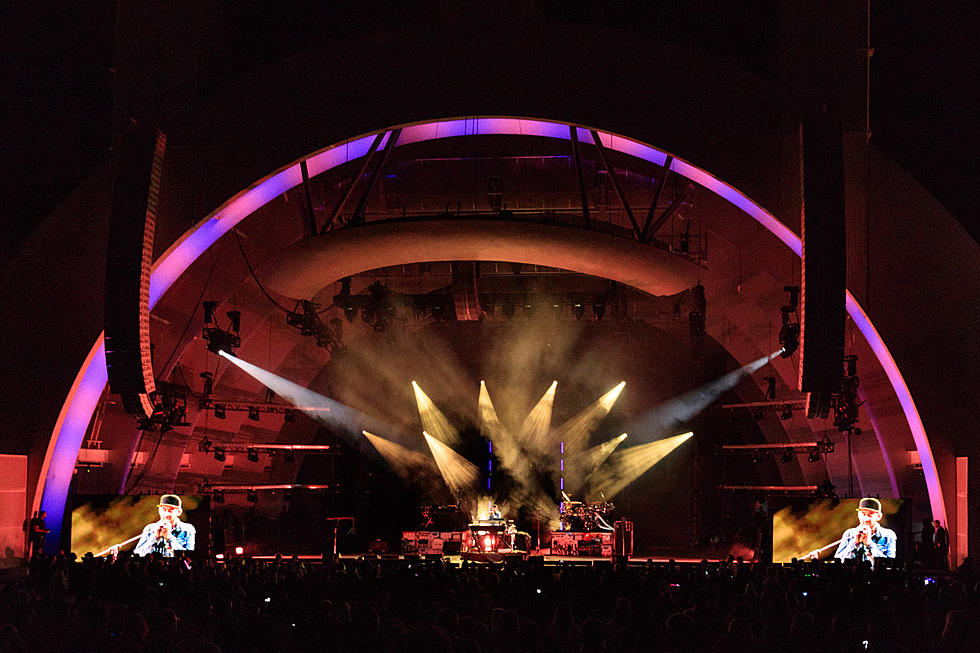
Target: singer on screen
x=868 y=540
x=169 y=534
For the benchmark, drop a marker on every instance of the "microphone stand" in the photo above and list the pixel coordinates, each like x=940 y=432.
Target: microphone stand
x=822 y=549
x=116 y=546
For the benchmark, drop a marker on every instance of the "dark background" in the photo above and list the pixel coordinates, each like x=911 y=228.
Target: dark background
x=57 y=63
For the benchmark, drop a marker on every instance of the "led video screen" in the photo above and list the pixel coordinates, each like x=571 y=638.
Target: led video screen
x=154 y=523
x=836 y=527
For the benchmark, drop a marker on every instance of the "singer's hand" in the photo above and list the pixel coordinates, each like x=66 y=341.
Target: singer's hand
x=163 y=531
x=864 y=535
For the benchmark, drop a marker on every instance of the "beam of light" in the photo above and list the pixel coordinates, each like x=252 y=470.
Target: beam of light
x=668 y=415
x=414 y=467
x=575 y=432
x=58 y=464
x=581 y=465
x=490 y=424
x=433 y=420
x=504 y=444
x=458 y=473
x=340 y=418
x=624 y=467
x=534 y=430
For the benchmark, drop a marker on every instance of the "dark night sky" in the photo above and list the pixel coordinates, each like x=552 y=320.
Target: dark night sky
x=56 y=61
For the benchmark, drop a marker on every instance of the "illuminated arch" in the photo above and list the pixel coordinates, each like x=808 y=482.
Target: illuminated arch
x=79 y=406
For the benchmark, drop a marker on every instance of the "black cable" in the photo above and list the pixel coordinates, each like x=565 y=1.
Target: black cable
x=254 y=276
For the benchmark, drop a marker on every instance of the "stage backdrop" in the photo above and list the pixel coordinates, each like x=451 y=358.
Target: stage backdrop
x=802 y=527
x=100 y=521
x=13 y=505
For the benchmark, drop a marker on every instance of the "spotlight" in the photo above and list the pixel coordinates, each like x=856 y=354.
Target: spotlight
x=218 y=340
x=827 y=489
x=239 y=550
x=236 y=320
x=789 y=339
x=786 y=414
x=794 y=296
x=253 y=413
x=770 y=388
x=208 y=384
x=251 y=496
x=599 y=309
x=204 y=445
x=789 y=334
x=219 y=454
x=814 y=457
x=252 y=456
x=350 y=312
x=529 y=311
x=209 y=311
x=289 y=416
x=578 y=311
x=219 y=411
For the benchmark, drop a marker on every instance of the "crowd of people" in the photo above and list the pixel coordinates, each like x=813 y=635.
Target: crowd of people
x=241 y=605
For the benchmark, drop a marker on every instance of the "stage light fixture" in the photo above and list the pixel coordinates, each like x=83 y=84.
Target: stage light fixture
x=789 y=334
x=757 y=414
x=208 y=387
x=251 y=496
x=218 y=497
x=814 y=457
x=219 y=411
x=599 y=309
x=236 y=320
x=578 y=311
x=252 y=456
x=219 y=454
x=253 y=413
x=204 y=445
x=529 y=311
x=787 y=457
x=239 y=550
x=209 y=307
x=786 y=414
x=289 y=416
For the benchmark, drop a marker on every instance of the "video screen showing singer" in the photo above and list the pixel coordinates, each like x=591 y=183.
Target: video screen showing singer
x=869 y=539
x=169 y=534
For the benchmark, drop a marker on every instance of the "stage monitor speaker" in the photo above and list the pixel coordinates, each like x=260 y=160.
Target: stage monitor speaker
x=451 y=548
x=129 y=257
x=824 y=273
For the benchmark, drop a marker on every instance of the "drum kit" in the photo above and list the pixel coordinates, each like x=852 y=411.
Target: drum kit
x=581 y=517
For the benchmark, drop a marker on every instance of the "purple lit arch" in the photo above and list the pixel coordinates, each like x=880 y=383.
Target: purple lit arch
x=79 y=406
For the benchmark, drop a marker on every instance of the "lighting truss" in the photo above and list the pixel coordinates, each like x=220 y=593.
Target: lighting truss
x=209 y=488
x=768 y=406
x=823 y=447
x=210 y=403
x=273 y=448
x=822 y=490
